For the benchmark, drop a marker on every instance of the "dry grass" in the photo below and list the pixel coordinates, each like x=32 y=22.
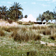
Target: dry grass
x=9 y=29
x=53 y=37
x=39 y=27
x=2 y=32
x=47 y=32
x=25 y=35
x=19 y=22
x=35 y=27
x=10 y=21
x=44 y=27
x=26 y=23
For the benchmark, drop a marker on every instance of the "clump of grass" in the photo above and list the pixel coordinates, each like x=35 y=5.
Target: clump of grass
x=25 y=35
x=51 y=26
x=6 y=29
x=47 y=32
x=43 y=27
x=10 y=21
x=31 y=22
x=19 y=22
x=9 y=29
x=26 y=23
x=38 y=37
x=35 y=27
x=53 y=37
x=31 y=53
x=24 y=29
x=2 y=32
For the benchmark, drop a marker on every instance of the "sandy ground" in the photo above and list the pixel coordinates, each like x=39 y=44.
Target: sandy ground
x=6 y=24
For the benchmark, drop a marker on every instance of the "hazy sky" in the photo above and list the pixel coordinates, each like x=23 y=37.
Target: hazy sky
x=34 y=7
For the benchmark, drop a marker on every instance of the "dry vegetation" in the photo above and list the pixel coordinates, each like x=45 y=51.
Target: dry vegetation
x=2 y=32
x=29 y=33
x=53 y=37
x=25 y=35
x=27 y=38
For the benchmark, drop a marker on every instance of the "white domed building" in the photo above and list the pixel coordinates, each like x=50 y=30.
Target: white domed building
x=29 y=18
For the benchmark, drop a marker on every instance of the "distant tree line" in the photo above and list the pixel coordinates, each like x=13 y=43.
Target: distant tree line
x=14 y=12
x=47 y=15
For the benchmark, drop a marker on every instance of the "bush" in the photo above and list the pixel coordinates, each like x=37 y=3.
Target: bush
x=2 y=32
x=31 y=53
x=26 y=35
x=53 y=37
x=10 y=21
x=38 y=37
x=47 y=32
x=51 y=26
x=26 y=23
x=6 y=29
x=19 y=22
x=35 y=27
x=9 y=29
x=43 y=27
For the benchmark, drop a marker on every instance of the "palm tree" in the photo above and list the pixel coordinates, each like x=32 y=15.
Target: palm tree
x=3 y=10
x=15 y=10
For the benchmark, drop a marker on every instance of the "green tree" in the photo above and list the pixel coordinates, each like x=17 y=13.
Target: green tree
x=15 y=11
x=51 y=17
x=3 y=10
x=41 y=17
x=48 y=15
x=26 y=16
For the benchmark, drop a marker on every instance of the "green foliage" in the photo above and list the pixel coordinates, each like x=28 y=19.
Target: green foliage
x=3 y=10
x=47 y=15
x=15 y=11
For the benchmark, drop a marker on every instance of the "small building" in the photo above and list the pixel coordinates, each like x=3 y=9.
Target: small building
x=29 y=18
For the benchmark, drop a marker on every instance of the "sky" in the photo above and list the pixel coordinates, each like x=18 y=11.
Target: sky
x=33 y=7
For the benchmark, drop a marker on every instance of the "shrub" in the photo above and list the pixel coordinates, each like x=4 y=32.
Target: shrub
x=31 y=22
x=9 y=29
x=10 y=21
x=31 y=53
x=6 y=29
x=51 y=26
x=35 y=27
x=53 y=37
x=43 y=27
x=19 y=22
x=2 y=32
x=38 y=37
x=24 y=29
x=26 y=23
x=47 y=32
x=26 y=35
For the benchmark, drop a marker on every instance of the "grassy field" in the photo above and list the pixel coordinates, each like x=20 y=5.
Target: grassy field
x=25 y=40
